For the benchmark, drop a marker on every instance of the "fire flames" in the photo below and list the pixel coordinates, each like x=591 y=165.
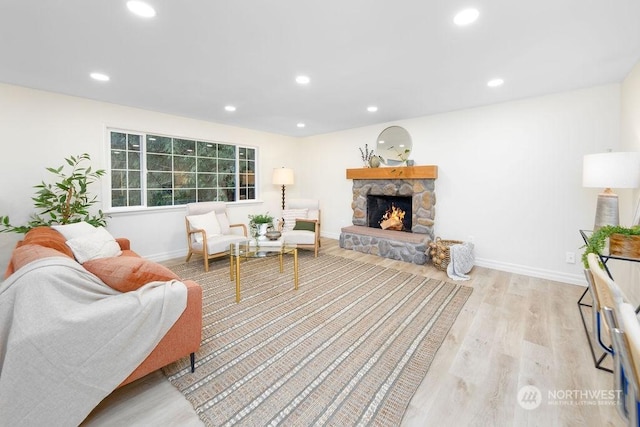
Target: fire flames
x=392 y=219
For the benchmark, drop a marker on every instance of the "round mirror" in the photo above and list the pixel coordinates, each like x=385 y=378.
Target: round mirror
x=394 y=145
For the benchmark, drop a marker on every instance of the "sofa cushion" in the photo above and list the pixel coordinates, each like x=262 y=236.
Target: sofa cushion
x=99 y=244
x=25 y=254
x=48 y=238
x=128 y=273
x=76 y=229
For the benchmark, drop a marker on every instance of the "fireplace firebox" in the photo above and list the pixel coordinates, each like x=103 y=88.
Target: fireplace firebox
x=389 y=212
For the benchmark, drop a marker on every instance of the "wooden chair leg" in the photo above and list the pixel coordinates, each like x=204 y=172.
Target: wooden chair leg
x=188 y=256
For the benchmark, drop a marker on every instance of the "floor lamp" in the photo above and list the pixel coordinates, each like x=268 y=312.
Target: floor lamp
x=282 y=176
x=610 y=170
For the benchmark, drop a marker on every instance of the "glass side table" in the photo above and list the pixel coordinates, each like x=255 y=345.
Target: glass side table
x=264 y=248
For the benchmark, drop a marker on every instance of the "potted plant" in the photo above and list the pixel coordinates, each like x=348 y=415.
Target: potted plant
x=623 y=241
x=259 y=224
x=66 y=200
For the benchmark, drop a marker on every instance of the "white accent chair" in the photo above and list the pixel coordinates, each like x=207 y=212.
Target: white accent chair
x=209 y=232
x=301 y=224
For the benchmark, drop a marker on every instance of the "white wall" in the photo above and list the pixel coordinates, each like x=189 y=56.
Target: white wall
x=627 y=274
x=509 y=175
x=39 y=129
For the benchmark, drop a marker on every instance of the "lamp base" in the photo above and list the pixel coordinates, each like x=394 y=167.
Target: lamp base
x=607 y=210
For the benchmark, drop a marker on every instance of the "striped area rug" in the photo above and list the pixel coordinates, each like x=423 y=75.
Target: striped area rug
x=350 y=347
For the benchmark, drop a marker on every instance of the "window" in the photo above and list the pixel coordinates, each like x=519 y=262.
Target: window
x=155 y=170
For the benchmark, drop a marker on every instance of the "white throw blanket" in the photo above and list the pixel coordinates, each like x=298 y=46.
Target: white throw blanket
x=461 y=260
x=67 y=340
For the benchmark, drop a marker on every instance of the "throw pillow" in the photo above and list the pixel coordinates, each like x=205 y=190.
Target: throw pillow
x=77 y=229
x=290 y=216
x=99 y=244
x=305 y=225
x=25 y=254
x=223 y=221
x=207 y=222
x=128 y=273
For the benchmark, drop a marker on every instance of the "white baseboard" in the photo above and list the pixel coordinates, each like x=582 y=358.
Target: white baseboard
x=166 y=256
x=556 y=276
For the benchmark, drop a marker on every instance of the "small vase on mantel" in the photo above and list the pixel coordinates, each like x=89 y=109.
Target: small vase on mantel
x=374 y=162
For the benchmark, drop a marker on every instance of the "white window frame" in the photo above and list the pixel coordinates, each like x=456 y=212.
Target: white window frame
x=107 y=180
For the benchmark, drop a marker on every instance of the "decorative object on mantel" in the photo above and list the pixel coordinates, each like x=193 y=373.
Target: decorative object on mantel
x=394 y=146
x=623 y=241
x=374 y=162
x=366 y=155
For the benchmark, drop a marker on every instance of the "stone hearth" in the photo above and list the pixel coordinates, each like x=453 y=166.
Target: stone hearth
x=417 y=182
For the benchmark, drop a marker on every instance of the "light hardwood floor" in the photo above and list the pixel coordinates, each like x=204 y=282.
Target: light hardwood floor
x=513 y=331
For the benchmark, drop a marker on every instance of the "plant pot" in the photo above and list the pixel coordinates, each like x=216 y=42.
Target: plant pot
x=624 y=246
x=262 y=231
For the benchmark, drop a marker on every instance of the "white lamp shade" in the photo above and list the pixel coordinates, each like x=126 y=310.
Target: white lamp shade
x=611 y=170
x=282 y=176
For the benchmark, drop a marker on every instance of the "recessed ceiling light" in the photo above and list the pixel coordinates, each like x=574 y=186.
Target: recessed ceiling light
x=141 y=8
x=466 y=17
x=100 y=77
x=372 y=108
x=495 y=82
x=230 y=108
x=301 y=125
x=303 y=80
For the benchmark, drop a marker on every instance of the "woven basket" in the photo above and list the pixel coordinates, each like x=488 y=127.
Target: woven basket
x=439 y=252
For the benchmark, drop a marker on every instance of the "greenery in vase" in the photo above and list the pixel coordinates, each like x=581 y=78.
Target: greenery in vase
x=255 y=221
x=597 y=240
x=261 y=219
x=65 y=201
x=402 y=155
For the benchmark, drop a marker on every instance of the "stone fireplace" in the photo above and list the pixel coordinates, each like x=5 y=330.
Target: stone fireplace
x=412 y=190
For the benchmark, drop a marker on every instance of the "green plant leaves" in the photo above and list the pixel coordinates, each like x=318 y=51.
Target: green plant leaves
x=65 y=201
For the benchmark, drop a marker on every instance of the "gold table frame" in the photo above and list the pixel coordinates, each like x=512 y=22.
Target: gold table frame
x=247 y=250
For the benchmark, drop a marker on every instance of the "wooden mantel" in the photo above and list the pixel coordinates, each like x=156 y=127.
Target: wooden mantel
x=394 y=172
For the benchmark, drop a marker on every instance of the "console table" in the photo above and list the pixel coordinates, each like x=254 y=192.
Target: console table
x=604 y=258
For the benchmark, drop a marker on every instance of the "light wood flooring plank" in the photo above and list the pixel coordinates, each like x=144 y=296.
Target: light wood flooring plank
x=513 y=331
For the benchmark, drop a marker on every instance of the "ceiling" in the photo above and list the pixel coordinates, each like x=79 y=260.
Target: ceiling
x=404 y=56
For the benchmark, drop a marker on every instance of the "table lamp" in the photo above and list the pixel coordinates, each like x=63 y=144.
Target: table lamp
x=282 y=176
x=610 y=170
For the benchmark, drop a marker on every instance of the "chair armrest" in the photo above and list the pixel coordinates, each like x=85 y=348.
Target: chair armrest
x=243 y=226
x=124 y=243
